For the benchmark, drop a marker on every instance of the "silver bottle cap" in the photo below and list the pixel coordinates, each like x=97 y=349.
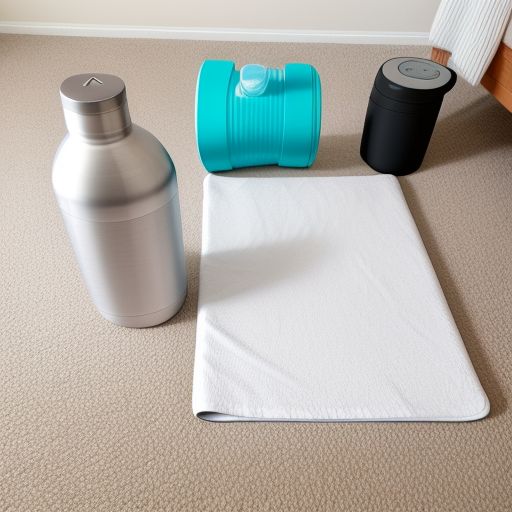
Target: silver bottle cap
x=95 y=105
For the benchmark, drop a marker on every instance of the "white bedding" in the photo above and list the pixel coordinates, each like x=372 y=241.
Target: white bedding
x=472 y=31
x=507 y=37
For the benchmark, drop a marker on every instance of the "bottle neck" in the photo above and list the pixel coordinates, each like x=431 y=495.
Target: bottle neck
x=102 y=127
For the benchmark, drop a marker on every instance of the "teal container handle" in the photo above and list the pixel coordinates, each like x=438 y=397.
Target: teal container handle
x=257 y=116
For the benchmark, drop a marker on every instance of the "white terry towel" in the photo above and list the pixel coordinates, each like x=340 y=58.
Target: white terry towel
x=318 y=302
x=471 y=30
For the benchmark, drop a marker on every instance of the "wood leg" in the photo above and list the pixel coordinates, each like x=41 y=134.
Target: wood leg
x=440 y=56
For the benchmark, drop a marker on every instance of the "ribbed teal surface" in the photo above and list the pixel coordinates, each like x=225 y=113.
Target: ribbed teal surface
x=264 y=117
x=317 y=117
x=255 y=124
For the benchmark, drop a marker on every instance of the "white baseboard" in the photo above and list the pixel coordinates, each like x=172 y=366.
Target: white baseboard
x=215 y=34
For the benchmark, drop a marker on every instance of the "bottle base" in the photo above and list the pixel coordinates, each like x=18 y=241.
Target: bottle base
x=395 y=171
x=147 y=320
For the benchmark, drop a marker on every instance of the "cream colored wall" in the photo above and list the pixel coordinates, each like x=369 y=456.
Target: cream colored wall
x=332 y=15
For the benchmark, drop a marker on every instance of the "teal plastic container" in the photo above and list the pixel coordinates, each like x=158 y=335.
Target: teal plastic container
x=257 y=116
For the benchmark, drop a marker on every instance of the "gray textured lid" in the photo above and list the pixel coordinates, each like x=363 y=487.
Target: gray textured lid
x=92 y=93
x=416 y=73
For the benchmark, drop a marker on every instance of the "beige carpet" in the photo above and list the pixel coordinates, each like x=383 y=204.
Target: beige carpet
x=97 y=417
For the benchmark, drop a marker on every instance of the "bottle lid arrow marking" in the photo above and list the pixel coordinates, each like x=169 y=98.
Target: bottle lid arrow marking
x=92 y=81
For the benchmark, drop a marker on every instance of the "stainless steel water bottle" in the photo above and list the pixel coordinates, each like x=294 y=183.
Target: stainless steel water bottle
x=116 y=187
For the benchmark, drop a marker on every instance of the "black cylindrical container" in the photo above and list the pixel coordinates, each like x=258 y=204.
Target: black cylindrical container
x=402 y=111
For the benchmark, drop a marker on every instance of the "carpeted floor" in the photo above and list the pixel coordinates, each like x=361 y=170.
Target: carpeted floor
x=98 y=417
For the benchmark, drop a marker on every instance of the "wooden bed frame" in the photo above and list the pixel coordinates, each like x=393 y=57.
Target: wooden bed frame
x=498 y=78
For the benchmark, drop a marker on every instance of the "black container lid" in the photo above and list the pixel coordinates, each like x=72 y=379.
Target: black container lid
x=414 y=80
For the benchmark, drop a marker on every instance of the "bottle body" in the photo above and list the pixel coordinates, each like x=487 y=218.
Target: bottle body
x=395 y=140
x=119 y=200
x=404 y=103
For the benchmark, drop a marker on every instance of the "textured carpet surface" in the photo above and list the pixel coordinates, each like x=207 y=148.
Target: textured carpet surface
x=98 y=417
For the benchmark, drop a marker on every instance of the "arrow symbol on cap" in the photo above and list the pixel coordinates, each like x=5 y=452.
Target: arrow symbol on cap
x=92 y=80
